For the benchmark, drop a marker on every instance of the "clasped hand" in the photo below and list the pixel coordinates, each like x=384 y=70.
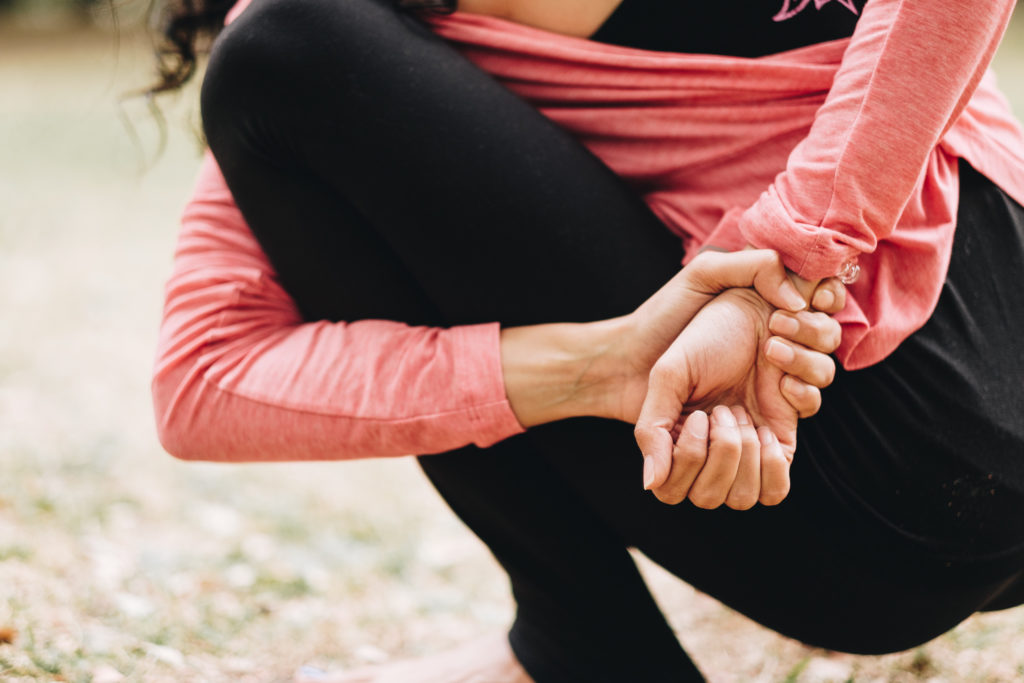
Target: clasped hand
x=719 y=378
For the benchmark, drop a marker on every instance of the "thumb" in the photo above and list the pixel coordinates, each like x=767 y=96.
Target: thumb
x=667 y=389
x=711 y=272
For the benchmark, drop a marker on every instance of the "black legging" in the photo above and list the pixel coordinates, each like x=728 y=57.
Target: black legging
x=387 y=177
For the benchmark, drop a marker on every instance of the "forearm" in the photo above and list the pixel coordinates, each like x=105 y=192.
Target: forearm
x=909 y=71
x=240 y=376
x=561 y=370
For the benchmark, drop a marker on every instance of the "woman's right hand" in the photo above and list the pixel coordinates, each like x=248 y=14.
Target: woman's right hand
x=640 y=339
x=741 y=456
x=724 y=357
x=606 y=368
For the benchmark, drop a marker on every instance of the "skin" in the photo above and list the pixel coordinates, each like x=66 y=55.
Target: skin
x=715 y=428
x=702 y=341
x=579 y=18
x=671 y=454
x=628 y=368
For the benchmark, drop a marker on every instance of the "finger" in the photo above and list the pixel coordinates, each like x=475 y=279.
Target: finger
x=724 y=450
x=816 y=331
x=712 y=272
x=667 y=388
x=830 y=296
x=810 y=366
x=774 y=469
x=804 y=398
x=688 y=458
x=746 y=489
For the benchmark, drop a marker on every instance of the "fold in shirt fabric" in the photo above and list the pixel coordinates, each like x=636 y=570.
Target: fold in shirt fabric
x=834 y=153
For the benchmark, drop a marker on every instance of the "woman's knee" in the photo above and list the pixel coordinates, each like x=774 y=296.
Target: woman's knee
x=278 y=54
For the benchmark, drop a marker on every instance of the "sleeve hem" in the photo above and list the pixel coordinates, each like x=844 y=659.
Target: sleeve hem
x=808 y=250
x=479 y=375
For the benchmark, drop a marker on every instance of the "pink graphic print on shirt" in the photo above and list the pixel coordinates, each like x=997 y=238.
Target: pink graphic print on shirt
x=791 y=8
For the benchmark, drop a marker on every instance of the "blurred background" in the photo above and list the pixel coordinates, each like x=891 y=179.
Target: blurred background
x=118 y=562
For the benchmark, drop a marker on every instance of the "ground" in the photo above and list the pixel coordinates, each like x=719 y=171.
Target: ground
x=118 y=562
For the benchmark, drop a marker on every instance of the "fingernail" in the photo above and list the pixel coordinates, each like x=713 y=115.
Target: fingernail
x=765 y=435
x=724 y=416
x=824 y=299
x=648 y=472
x=783 y=324
x=780 y=352
x=697 y=425
x=794 y=301
x=740 y=415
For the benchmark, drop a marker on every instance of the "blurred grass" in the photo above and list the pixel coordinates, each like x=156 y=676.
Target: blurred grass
x=116 y=560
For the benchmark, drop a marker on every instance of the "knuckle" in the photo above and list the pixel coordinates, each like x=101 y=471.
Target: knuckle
x=743 y=499
x=811 y=404
x=816 y=372
x=839 y=289
x=828 y=373
x=748 y=438
x=703 y=258
x=773 y=495
x=836 y=337
x=642 y=434
x=726 y=443
x=793 y=387
x=701 y=265
x=772 y=258
x=669 y=496
x=705 y=500
x=826 y=331
x=817 y=320
x=690 y=458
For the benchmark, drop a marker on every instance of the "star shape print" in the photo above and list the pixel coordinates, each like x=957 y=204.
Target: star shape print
x=791 y=8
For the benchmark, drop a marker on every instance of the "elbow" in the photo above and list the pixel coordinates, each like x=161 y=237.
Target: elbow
x=178 y=429
x=179 y=441
x=175 y=435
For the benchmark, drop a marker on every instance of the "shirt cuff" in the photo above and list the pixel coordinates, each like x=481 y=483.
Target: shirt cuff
x=810 y=251
x=480 y=379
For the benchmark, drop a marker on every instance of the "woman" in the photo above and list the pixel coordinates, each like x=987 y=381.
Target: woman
x=382 y=172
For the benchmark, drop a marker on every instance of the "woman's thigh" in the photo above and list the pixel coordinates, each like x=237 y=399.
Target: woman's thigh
x=812 y=568
x=386 y=177
x=906 y=513
x=358 y=144
x=355 y=141
x=929 y=442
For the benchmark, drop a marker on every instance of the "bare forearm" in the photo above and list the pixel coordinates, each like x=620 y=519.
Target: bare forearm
x=600 y=369
x=560 y=370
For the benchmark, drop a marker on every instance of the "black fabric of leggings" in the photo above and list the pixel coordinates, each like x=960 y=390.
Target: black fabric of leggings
x=386 y=177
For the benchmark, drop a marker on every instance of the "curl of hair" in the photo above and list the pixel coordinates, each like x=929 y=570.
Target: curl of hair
x=186 y=29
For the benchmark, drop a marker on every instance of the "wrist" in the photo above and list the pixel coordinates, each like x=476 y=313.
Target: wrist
x=561 y=370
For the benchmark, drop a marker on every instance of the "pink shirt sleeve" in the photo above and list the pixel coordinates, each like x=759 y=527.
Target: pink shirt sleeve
x=240 y=377
x=906 y=76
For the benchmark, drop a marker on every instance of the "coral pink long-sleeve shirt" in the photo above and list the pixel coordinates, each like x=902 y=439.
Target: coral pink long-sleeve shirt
x=832 y=153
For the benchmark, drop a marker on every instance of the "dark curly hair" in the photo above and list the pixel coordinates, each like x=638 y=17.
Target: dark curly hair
x=186 y=28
